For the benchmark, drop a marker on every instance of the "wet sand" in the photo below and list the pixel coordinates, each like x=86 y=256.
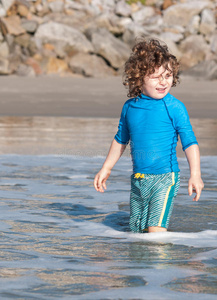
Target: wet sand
x=76 y=116
x=65 y=136
x=89 y=97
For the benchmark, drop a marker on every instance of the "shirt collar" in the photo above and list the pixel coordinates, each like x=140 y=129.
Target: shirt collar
x=144 y=97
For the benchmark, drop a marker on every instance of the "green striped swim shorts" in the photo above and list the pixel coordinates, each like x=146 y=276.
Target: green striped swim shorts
x=151 y=199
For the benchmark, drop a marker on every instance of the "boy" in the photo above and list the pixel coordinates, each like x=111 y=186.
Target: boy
x=152 y=121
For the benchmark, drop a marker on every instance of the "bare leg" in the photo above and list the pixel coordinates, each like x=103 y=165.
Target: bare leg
x=156 y=229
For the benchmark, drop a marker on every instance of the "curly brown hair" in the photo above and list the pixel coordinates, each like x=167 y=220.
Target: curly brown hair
x=146 y=57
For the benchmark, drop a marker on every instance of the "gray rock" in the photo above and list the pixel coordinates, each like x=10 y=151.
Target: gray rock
x=174 y=29
x=7 y=4
x=123 y=9
x=10 y=41
x=205 y=69
x=124 y=23
x=105 y=4
x=15 y=58
x=193 y=25
x=78 y=20
x=4 y=66
x=99 y=6
x=172 y=48
x=4 y=50
x=29 y=25
x=32 y=48
x=174 y=37
x=112 y=49
x=22 y=40
x=208 y=23
x=194 y=49
x=74 y=5
x=143 y=15
x=42 y=9
x=1 y=37
x=182 y=13
x=90 y=66
x=56 y=6
x=2 y=11
x=24 y=70
x=134 y=31
x=154 y=25
x=111 y=22
x=213 y=45
x=64 y=36
x=157 y=3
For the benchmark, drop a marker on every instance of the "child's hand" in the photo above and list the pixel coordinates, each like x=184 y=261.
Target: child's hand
x=100 y=180
x=195 y=184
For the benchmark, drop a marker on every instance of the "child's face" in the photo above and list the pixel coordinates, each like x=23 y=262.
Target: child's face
x=158 y=84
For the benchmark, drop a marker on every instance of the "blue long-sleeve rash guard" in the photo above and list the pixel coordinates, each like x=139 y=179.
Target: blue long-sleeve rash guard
x=152 y=126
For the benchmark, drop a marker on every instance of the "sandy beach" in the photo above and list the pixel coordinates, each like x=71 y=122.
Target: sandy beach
x=90 y=97
x=79 y=116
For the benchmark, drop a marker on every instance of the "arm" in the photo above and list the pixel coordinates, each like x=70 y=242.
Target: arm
x=115 y=152
x=195 y=182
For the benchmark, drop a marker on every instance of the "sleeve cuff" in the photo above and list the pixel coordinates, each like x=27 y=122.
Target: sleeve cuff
x=187 y=146
x=120 y=142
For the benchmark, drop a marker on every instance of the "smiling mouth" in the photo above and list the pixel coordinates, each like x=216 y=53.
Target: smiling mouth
x=161 y=89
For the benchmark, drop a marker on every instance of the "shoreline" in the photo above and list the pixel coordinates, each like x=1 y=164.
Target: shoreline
x=68 y=115
x=65 y=136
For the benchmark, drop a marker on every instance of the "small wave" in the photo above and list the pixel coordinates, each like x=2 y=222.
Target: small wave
x=206 y=238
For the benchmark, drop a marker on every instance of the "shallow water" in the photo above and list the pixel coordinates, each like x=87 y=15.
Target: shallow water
x=81 y=136
x=60 y=239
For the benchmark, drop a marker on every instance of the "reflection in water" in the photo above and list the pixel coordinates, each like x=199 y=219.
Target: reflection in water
x=81 y=282
x=204 y=284
x=80 y=136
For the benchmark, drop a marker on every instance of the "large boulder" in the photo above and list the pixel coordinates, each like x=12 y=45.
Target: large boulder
x=99 y=6
x=213 y=45
x=7 y=4
x=4 y=50
x=56 y=66
x=175 y=37
x=208 y=22
x=2 y=11
x=143 y=15
x=194 y=49
x=114 y=24
x=205 y=69
x=76 y=20
x=182 y=13
x=29 y=25
x=90 y=66
x=25 y=71
x=4 y=66
x=172 y=47
x=109 y=47
x=154 y=25
x=11 y=25
x=23 y=40
x=63 y=36
x=132 y=32
x=56 y=6
x=123 y=9
x=193 y=25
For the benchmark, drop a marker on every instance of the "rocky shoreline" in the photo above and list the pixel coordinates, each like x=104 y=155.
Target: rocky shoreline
x=93 y=38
